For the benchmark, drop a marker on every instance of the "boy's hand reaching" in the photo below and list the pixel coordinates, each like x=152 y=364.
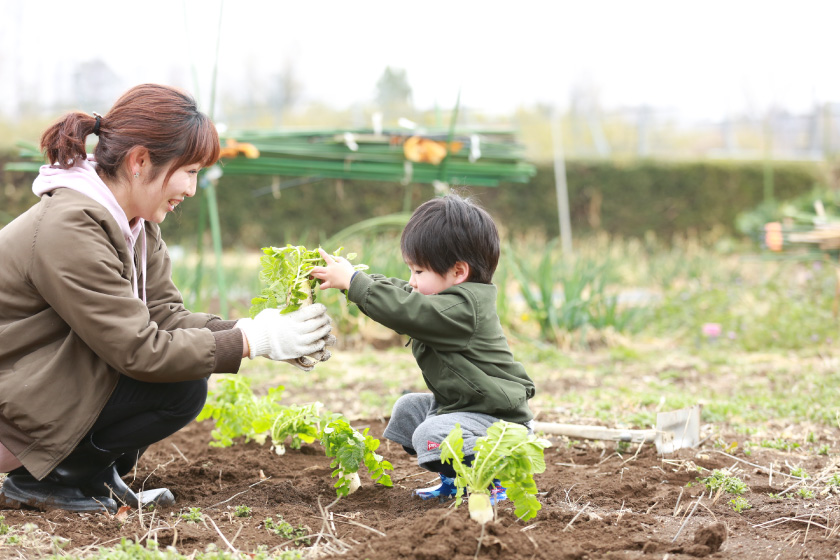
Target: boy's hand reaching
x=337 y=274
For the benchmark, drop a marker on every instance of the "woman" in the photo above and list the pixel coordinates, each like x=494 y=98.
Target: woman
x=98 y=356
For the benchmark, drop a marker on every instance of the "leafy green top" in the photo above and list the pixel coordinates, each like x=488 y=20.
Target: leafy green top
x=284 y=274
x=508 y=453
x=238 y=412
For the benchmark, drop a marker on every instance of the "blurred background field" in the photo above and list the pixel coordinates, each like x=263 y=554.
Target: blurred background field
x=676 y=150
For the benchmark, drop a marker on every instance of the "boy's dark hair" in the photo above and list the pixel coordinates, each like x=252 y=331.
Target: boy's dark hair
x=448 y=229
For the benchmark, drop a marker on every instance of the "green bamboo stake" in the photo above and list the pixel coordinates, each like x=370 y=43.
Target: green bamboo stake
x=212 y=205
x=768 y=161
x=444 y=164
x=199 y=266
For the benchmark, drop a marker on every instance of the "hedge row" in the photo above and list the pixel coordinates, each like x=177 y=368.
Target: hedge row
x=625 y=199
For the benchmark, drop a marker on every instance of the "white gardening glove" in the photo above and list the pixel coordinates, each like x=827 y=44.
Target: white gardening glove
x=279 y=336
x=308 y=362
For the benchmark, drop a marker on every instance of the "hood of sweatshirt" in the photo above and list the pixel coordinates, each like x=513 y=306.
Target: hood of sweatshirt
x=83 y=178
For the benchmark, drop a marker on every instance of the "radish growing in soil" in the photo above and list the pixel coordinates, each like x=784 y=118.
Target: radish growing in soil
x=507 y=453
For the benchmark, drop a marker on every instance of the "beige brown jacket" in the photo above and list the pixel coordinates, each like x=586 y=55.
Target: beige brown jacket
x=70 y=325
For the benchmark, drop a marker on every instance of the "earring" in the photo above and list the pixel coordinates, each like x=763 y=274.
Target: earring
x=137 y=175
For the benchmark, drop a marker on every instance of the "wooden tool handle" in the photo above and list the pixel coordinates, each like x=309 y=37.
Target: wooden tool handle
x=595 y=432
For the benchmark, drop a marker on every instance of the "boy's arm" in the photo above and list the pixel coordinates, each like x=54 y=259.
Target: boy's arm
x=445 y=321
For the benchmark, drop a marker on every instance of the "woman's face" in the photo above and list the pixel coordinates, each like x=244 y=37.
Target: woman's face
x=153 y=200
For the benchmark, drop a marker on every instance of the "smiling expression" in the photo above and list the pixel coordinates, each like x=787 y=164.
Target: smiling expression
x=154 y=200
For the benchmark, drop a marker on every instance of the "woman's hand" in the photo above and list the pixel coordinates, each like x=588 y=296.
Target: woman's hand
x=285 y=336
x=337 y=274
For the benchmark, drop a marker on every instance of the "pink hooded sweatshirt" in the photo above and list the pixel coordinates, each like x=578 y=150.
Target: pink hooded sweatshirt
x=83 y=178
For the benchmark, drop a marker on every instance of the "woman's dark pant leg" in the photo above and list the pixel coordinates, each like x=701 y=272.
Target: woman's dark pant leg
x=139 y=414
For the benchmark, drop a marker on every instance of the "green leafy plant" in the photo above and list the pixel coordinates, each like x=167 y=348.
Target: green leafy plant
x=507 y=453
x=285 y=277
x=298 y=422
x=281 y=527
x=805 y=493
x=242 y=511
x=193 y=515
x=238 y=412
x=4 y=529
x=834 y=480
x=721 y=479
x=566 y=294
x=739 y=504
x=780 y=444
x=350 y=449
x=799 y=472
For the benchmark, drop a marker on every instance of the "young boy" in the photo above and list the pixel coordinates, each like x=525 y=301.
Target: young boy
x=448 y=308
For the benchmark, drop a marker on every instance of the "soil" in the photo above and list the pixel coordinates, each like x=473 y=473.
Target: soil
x=597 y=503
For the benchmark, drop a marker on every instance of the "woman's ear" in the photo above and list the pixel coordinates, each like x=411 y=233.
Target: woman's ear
x=138 y=161
x=461 y=270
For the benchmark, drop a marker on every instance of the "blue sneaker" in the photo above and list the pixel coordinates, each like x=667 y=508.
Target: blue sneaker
x=446 y=489
x=498 y=493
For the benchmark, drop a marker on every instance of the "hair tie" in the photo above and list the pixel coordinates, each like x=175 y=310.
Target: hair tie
x=96 y=126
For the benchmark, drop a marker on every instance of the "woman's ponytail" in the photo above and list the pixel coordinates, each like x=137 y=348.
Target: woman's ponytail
x=64 y=142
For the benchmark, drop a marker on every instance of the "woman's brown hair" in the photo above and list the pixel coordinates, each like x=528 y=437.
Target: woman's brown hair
x=164 y=120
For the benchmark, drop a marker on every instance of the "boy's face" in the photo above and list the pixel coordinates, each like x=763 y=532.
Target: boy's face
x=428 y=282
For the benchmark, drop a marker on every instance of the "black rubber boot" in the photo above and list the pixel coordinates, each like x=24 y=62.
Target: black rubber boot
x=86 y=480
x=108 y=480
x=25 y=489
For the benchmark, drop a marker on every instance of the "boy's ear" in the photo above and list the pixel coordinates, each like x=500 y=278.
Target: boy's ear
x=461 y=270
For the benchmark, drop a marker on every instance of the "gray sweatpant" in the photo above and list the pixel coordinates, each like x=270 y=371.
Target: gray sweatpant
x=415 y=423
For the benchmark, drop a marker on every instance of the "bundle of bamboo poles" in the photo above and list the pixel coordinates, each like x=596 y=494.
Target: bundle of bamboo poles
x=480 y=158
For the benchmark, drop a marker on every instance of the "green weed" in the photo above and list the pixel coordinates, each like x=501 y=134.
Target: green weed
x=739 y=504
x=780 y=444
x=281 y=527
x=193 y=515
x=721 y=479
x=799 y=472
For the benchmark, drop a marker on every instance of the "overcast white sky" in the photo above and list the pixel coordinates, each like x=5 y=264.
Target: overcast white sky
x=705 y=59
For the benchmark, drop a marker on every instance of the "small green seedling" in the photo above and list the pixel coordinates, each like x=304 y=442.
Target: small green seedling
x=834 y=480
x=805 y=493
x=799 y=472
x=721 y=479
x=4 y=529
x=739 y=504
x=298 y=535
x=242 y=511
x=780 y=443
x=193 y=515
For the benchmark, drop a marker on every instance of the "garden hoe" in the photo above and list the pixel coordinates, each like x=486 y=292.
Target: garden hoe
x=677 y=429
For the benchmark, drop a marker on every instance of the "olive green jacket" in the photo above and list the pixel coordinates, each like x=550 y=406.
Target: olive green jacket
x=458 y=343
x=70 y=325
